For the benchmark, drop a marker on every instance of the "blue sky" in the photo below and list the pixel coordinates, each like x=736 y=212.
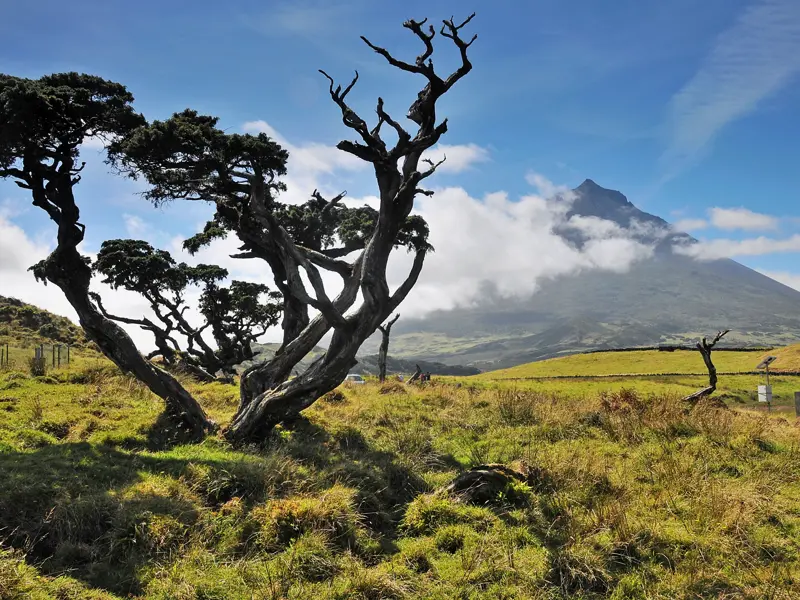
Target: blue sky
x=684 y=106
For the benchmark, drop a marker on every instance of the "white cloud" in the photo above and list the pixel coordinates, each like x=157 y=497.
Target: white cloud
x=459 y=157
x=594 y=227
x=790 y=279
x=311 y=157
x=18 y=252
x=727 y=248
x=741 y=218
x=544 y=186
x=135 y=226
x=310 y=166
x=93 y=142
x=690 y=224
x=508 y=246
x=10 y=208
x=750 y=61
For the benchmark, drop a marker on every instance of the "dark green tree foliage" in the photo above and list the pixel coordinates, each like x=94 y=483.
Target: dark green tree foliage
x=42 y=124
x=236 y=315
x=239 y=314
x=187 y=157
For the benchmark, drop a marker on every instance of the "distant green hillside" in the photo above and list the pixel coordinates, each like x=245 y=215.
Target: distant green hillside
x=23 y=324
x=367 y=365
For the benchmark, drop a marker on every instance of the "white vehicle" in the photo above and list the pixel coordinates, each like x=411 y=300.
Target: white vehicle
x=354 y=378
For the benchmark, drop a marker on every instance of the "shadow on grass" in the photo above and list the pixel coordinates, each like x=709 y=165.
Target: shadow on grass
x=384 y=482
x=70 y=508
x=58 y=504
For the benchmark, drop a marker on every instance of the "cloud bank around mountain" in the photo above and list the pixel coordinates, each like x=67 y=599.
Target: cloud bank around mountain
x=508 y=244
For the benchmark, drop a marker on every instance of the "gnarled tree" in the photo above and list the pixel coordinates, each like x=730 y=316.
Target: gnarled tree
x=188 y=157
x=236 y=315
x=383 y=351
x=43 y=122
x=705 y=347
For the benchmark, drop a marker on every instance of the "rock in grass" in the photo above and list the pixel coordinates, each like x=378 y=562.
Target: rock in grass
x=488 y=484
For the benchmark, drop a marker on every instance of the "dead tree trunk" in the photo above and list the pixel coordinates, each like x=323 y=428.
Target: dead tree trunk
x=385 y=330
x=705 y=347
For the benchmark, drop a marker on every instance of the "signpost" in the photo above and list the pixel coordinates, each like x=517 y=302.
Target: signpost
x=765 y=391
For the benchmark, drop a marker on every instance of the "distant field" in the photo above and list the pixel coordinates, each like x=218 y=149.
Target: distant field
x=739 y=391
x=647 y=362
x=653 y=372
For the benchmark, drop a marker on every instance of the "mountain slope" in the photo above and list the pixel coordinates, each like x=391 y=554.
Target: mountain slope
x=667 y=298
x=26 y=325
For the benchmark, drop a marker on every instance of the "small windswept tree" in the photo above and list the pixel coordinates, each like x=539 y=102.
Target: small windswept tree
x=236 y=315
x=188 y=157
x=705 y=347
x=43 y=122
x=383 y=351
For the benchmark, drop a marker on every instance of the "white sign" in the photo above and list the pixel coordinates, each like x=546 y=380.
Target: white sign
x=765 y=393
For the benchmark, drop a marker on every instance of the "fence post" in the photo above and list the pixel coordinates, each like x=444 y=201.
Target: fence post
x=53 y=352
x=59 y=355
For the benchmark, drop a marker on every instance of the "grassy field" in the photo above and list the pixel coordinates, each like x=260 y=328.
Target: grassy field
x=627 y=494
x=739 y=391
x=648 y=362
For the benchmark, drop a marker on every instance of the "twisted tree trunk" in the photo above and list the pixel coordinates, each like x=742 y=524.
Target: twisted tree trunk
x=284 y=402
x=66 y=268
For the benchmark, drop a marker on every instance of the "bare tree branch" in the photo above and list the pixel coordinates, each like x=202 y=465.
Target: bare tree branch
x=433 y=167
x=342 y=267
x=329 y=203
x=450 y=30
x=403 y=137
x=421 y=69
x=388 y=327
x=401 y=292
x=383 y=350
x=351 y=119
x=427 y=39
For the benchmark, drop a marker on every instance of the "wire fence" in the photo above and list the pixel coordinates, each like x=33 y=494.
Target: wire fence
x=43 y=356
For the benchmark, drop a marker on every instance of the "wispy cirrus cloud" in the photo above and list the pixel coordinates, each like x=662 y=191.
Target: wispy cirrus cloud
x=750 y=61
x=305 y=19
